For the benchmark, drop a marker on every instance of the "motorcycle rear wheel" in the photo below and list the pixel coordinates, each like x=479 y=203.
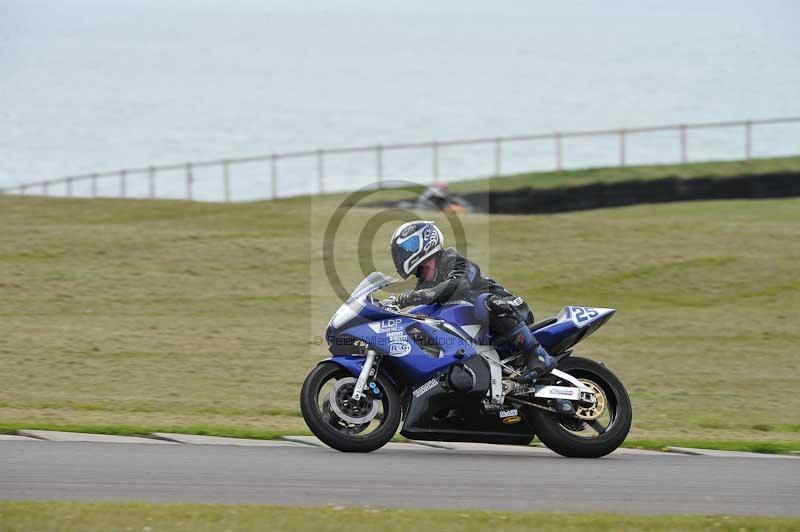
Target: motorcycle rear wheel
x=573 y=438
x=336 y=433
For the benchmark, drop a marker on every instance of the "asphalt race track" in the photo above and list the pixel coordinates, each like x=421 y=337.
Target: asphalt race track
x=423 y=477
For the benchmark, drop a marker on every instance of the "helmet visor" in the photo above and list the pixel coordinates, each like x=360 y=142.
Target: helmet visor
x=411 y=245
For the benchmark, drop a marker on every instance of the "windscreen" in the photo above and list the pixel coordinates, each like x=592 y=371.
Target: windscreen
x=354 y=304
x=374 y=281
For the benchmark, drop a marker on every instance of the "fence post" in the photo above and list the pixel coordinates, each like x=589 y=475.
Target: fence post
x=226 y=180
x=189 y=181
x=622 y=147
x=379 y=164
x=69 y=187
x=23 y=190
x=559 y=161
x=748 y=140
x=684 y=148
x=46 y=188
x=123 y=183
x=94 y=185
x=498 y=156
x=320 y=171
x=274 y=175
x=435 y=160
x=151 y=182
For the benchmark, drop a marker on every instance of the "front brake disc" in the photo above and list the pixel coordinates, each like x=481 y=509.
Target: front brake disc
x=341 y=403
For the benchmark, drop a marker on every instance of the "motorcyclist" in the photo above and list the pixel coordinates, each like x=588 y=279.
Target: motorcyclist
x=443 y=275
x=438 y=197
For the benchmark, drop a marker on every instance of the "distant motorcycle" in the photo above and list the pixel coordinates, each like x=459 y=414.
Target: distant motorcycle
x=435 y=368
x=438 y=198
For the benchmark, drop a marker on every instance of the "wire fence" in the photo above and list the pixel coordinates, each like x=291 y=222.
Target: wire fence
x=147 y=178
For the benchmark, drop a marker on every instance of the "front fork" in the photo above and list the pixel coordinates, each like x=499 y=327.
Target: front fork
x=364 y=375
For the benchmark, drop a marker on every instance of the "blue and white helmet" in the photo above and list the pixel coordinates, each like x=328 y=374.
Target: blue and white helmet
x=412 y=243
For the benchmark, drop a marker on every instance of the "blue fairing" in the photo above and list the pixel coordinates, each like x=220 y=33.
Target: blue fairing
x=388 y=334
x=553 y=334
x=354 y=363
x=463 y=314
x=572 y=325
x=417 y=349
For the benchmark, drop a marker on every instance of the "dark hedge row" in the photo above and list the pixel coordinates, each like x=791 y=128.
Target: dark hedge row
x=601 y=195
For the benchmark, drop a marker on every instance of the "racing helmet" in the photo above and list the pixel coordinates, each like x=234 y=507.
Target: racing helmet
x=412 y=243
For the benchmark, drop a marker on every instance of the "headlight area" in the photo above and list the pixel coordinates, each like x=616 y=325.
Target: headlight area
x=346 y=345
x=346 y=312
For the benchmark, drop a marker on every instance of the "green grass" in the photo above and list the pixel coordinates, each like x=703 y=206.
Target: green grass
x=115 y=516
x=765 y=447
x=717 y=169
x=173 y=315
x=140 y=430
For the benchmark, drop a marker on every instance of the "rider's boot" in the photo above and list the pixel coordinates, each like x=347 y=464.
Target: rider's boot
x=538 y=361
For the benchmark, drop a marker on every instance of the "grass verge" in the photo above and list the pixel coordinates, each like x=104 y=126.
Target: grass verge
x=172 y=315
x=114 y=516
x=132 y=430
x=770 y=447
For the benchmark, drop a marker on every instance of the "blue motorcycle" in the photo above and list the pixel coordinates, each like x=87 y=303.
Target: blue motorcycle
x=436 y=368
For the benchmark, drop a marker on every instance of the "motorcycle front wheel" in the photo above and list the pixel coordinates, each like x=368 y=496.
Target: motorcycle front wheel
x=339 y=421
x=594 y=431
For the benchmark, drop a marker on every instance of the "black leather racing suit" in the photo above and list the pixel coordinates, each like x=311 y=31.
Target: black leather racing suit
x=458 y=278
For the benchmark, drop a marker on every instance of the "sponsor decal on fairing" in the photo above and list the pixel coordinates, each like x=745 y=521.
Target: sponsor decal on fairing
x=425 y=388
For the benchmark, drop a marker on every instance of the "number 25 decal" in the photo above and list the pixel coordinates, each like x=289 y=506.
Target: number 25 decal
x=583 y=314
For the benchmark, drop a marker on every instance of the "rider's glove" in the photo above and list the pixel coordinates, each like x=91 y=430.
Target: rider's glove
x=411 y=298
x=405 y=299
x=390 y=301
